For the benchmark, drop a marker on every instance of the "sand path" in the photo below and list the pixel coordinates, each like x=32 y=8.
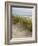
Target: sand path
x=18 y=31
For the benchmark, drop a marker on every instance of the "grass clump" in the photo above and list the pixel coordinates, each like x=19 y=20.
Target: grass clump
x=25 y=21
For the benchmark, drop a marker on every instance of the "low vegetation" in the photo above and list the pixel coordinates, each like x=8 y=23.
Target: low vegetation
x=25 y=21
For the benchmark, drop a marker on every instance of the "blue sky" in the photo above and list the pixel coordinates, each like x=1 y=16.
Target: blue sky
x=21 y=11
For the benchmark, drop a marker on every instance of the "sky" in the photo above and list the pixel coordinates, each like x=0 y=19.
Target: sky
x=21 y=11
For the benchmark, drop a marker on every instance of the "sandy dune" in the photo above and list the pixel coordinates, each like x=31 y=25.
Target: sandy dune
x=18 y=31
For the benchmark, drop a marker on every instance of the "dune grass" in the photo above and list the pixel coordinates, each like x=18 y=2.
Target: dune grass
x=25 y=21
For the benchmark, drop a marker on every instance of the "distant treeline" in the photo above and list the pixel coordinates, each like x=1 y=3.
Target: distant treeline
x=25 y=21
